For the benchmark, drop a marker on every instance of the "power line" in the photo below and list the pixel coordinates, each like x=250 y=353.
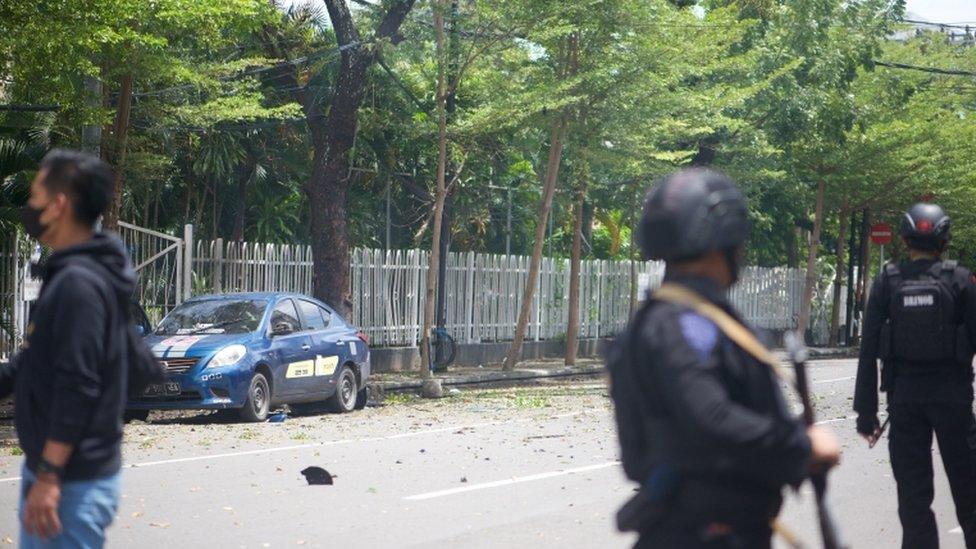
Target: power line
x=940 y=25
x=931 y=70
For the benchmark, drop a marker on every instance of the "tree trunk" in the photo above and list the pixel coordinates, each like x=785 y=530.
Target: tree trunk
x=838 y=277
x=435 y=249
x=240 y=214
x=573 y=323
x=333 y=135
x=557 y=136
x=811 y=276
x=120 y=131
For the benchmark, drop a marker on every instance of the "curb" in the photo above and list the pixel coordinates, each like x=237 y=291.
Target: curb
x=489 y=378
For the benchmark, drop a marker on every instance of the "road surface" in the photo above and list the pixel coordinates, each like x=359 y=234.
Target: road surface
x=527 y=467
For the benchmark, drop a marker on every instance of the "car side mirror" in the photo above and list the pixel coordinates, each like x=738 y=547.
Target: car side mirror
x=282 y=328
x=140 y=330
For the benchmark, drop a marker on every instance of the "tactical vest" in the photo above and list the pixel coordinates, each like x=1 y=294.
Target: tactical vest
x=924 y=323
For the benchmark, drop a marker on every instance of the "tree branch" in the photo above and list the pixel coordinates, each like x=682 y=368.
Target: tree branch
x=341 y=18
x=390 y=24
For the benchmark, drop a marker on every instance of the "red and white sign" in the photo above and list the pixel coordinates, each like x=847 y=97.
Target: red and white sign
x=881 y=234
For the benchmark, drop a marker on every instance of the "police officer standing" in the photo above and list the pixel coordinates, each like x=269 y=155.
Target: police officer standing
x=703 y=425
x=920 y=321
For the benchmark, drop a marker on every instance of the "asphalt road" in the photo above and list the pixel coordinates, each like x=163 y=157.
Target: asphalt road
x=530 y=467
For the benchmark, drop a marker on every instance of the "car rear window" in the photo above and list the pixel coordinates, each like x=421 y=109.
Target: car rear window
x=314 y=315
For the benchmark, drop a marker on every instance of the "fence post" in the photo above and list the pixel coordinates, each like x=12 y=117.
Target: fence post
x=218 y=266
x=187 y=261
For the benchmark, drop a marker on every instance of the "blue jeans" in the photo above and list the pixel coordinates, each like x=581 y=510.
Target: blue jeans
x=86 y=510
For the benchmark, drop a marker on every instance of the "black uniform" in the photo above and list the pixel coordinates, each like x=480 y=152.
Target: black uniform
x=704 y=426
x=924 y=396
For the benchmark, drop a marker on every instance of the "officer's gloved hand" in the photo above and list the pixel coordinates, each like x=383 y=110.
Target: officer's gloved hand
x=868 y=425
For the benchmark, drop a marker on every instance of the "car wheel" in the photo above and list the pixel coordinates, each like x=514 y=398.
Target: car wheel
x=345 y=397
x=258 y=400
x=361 y=397
x=136 y=415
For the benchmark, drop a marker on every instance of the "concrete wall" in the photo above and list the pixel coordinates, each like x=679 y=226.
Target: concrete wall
x=402 y=359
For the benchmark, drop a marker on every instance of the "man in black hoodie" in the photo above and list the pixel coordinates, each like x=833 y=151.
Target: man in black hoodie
x=70 y=376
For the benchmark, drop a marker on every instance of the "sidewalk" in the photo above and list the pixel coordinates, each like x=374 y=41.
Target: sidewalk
x=493 y=374
x=535 y=370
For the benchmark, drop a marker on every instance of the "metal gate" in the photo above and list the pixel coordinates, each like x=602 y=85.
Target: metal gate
x=162 y=263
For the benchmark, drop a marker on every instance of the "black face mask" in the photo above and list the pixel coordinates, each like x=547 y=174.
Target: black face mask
x=30 y=217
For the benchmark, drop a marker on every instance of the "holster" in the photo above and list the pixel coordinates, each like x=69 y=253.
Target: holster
x=640 y=512
x=651 y=502
x=887 y=375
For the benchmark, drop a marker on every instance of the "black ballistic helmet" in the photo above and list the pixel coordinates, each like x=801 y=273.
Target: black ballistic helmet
x=690 y=213
x=926 y=227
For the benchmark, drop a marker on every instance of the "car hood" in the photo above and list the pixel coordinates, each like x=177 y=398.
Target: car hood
x=193 y=345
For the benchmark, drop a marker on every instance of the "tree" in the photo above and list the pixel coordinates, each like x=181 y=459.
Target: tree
x=333 y=131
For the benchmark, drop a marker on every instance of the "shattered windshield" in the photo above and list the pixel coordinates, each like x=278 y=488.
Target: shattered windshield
x=216 y=316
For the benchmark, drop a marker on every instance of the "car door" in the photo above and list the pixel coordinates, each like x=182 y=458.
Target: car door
x=293 y=350
x=325 y=345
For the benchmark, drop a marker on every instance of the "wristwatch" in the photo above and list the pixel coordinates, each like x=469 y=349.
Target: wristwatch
x=45 y=467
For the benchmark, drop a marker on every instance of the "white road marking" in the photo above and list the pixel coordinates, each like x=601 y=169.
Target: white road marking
x=329 y=443
x=834 y=380
x=509 y=481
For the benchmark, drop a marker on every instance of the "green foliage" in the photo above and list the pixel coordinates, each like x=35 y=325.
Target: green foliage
x=780 y=94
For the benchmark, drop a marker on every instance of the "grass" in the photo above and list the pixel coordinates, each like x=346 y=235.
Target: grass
x=248 y=434
x=16 y=451
x=400 y=398
x=523 y=402
x=300 y=436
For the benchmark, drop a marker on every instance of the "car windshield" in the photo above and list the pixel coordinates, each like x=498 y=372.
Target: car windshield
x=214 y=316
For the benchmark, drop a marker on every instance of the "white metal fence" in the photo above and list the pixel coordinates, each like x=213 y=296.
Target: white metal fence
x=483 y=291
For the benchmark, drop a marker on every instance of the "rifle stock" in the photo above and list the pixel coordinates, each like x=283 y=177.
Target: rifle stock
x=828 y=528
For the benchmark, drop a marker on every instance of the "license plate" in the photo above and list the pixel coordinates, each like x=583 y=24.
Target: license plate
x=170 y=388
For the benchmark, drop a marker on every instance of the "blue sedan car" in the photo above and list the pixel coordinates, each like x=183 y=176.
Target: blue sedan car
x=255 y=351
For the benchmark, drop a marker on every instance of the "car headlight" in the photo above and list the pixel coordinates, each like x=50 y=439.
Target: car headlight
x=228 y=356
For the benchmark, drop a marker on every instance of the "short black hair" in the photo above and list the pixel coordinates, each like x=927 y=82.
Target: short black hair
x=86 y=180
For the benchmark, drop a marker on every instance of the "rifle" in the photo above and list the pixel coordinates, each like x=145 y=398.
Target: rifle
x=798 y=356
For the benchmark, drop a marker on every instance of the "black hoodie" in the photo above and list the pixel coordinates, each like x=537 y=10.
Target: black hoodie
x=71 y=373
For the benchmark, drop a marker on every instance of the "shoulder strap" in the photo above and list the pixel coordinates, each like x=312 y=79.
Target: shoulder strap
x=731 y=327
x=948 y=271
x=891 y=270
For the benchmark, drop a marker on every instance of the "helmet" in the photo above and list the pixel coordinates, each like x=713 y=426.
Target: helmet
x=926 y=227
x=690 y=213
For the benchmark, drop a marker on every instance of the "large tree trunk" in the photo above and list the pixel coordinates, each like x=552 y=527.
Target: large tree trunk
x=838 y=277
x=557 y=136
x=333 y=135
x=435 y=249
x=120 y=134
x=811 y=276
x=573 y=323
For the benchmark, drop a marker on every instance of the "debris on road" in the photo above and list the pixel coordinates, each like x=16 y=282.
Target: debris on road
x=317 y=475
